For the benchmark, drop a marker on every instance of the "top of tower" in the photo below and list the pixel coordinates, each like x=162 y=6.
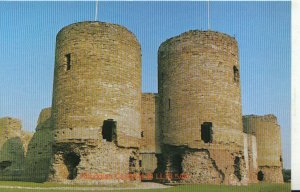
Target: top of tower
x=199 y=33
x=94 y=24
x=267 y=117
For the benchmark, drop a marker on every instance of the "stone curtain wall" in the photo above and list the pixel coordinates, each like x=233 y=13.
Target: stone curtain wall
x=97 y=77
x=268 y=138
x=151 y=139
x=150 y=142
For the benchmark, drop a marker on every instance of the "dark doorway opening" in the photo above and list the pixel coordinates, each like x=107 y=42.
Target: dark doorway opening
x=260 y=176
x=72 y=160
x=206 y=132
x=4 y=165
x=177 y=166
x=237 y=168
x=109 y=132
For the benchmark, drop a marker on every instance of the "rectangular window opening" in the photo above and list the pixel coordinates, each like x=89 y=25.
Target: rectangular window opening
x=236 y=74
x=109 y=130
x=206 y=132
x=68 y=60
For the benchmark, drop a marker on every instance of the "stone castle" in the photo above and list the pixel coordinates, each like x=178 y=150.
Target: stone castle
x=101 y=128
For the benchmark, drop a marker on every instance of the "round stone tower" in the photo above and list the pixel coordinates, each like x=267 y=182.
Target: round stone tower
x=97 y=77
x=200 y=106
x=97 y=90
x=268 y=138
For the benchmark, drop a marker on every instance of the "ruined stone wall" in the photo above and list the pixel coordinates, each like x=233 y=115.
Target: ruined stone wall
x=9 y=127
x=148 y=166
x=199 y=87
x=26 y=137
x=39 y=155
x=11 y=159
x=101 y=164
x=209 y=166
x=268 y=139
x=13 y=142
x=97 y=77
x=251 y=159
x=44 y=120
x=151 y=139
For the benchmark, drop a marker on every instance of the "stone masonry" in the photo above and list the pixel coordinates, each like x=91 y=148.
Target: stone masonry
x=13 y=145
x=151 y=141
x=101 y=129
x=200 y=107
x=39 y=154
x=96 y=106
x=268 y=141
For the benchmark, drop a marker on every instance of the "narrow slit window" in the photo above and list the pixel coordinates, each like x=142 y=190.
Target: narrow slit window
x=169 y=104
x=236 y=74
x=68 y=60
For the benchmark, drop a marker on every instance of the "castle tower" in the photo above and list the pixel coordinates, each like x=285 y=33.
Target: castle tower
x=200 y=108
x=268 y=138
x=96 y=101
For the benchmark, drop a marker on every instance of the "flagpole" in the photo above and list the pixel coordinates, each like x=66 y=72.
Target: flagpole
x=96 y=11
x=208 y=16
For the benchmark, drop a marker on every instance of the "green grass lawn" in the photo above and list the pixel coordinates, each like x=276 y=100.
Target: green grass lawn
x=181 y=188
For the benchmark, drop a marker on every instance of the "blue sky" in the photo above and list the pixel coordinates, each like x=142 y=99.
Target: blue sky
x=262 y=29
